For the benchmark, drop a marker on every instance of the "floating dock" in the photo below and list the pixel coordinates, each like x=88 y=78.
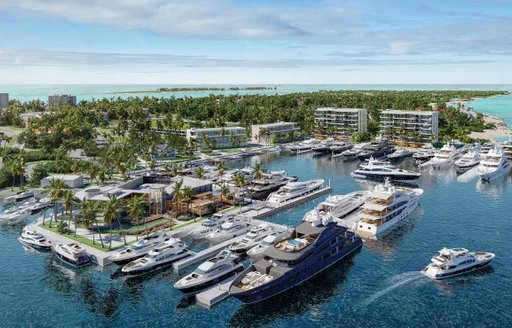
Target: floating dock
x=214 y=295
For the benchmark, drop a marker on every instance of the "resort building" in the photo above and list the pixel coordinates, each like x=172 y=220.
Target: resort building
x=217 y=137
x=4 y=100
x=342 y=121
x=57 y=100
x=268 y=134
x=70 y=180
x=410 y=125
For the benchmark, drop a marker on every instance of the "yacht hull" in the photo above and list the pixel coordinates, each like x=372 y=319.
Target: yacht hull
x=77 y=264
x=495 y=174
x=447 y=275
x=144 y=270
x=192 y=289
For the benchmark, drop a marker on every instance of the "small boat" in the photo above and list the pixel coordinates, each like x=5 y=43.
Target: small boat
x=30 y=237
x=72 y=254
x=161 y=256
x=215 y=270
x=140 y=248
x=229 y=230
x=456 y=261
x=493 y=165
x=252 y=238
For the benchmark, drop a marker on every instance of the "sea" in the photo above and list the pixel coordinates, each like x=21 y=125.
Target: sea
x=381 y=286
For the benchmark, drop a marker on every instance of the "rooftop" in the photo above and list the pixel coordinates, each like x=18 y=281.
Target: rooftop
x=338 y=109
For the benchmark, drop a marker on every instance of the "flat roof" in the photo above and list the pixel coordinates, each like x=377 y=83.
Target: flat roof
x=188 y=182
x=339 y=109
x=227 y=128
x=63 y=176
x=413 y=112
x=269 y=125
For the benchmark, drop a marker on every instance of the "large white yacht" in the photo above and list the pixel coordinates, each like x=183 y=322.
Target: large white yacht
x=72 y=254
x=354 y=151
x=140 y=248
x=257 y=251
x=269 y=182
x=14 y=216
x=229 y=230
x=252 y=238
x=215 y=270
x=337 y=206
x=400 y=153
x=294 y=190
x=210 y=225
x=386 y=206
x=493 y=165
x=469 y=159
x=379 y=170
x=163 y=255
x=445 y=157
x=32 y=238
x=456 y=261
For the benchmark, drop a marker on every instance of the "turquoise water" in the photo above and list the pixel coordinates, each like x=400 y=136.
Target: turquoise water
x=379 y=287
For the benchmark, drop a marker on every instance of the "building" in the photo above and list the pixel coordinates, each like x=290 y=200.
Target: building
x=4 y=100
x=163 y=152
x=57 y=100
x=266 y=134
x=27 y=117
x=345 y=121
x=217 y=137
x=410 y=125
x=70 y=180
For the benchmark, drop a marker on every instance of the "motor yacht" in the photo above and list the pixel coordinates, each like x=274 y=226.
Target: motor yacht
x=41 y=205
x=14 y=216
x=380 y=170
x=323 y=147
x=400 y=153
x=352 y=153
x=210 y=225
x=252 y=238
x=338 y=148
x=387 y=205
x=376 y=149
x=161 y=256
x=30 y=237
x=270 y=182
x=445 y=157
x=312 y=248
x=469 y=159
x=229 y=230
x=493 y=165
x=280 y=234
x=506 y=148
x=72 y=254
x=211 y=272
x=293 y=190
x=337 y=206
x=456 y=261
x=140 y=248
x=486 y=147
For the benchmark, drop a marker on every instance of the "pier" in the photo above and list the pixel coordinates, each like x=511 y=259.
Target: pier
x=214 y=295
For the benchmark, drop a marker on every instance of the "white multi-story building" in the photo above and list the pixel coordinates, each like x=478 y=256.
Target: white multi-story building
x=267 y=134
x=57 y=100
x=4 y=100
x=233 y=136
x=342 y=120
x=410 y=124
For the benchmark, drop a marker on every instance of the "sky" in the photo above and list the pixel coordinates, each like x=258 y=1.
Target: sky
x=255 y=42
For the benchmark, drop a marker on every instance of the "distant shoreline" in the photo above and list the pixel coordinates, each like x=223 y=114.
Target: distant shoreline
x=187 y=89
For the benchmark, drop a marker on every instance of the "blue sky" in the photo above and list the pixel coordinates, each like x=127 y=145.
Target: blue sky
x=230 y=42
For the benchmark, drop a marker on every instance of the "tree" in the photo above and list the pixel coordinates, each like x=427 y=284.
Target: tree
x=111 y=214
x=258 y=171
x=68 y=200
x=136 y=209
x=224 y=191
x=188 y=193
x=89 y=217
x=56 y=190
x=199 y=172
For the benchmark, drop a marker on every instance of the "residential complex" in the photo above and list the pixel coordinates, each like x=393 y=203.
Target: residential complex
x=217 y=137
x=268 y=134
x=410 y=125
x=4 y=100
x=56 y=100
x=344 y=121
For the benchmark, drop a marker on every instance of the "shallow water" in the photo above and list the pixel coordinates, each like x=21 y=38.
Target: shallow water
x=379 y=286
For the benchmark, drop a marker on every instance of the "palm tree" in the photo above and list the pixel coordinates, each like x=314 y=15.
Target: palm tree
x=258 y=171
x=240 y=181
x=220 y=169
x=199 y=172
x=56 y=190
x=188 y=193
x=224 y=191
x=89 y=213
x=136 y=208
x=68 y=200
x=110 y=215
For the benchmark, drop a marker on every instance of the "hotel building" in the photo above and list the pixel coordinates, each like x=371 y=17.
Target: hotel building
x=218 y=137
x=266 y=134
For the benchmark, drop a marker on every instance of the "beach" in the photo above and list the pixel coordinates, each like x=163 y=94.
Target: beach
x=497 y=134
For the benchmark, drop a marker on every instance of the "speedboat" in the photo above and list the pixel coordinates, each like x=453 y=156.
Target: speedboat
x=252 y=238
x=140 y=248
x=387 y=205
x=337 y=206
x=293 y=190
x=72 y=254
x=456 y=261
x=211 y=272
x=257 y=251
x=493 y=165
x=161 y=256
x=354 y=151
x=380 y=170
x=312 y=248
x=229 y=230
x=376 y=149
x=30 y=237
x=210 y=225
x=445 y=157
x=469 y=159
x=400 y=153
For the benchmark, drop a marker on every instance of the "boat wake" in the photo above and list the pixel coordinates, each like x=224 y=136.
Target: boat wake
x=396 y=282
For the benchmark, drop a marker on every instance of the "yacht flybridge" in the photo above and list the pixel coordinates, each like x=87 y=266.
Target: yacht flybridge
x=456 y=261
x=293 y=190
x=337 y=206
x=380 y=170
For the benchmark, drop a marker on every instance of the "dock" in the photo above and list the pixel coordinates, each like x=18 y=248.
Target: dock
x=214 y=295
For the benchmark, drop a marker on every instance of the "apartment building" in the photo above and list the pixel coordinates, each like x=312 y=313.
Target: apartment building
x=267 y=134
x=344 y=121
x=410 y=124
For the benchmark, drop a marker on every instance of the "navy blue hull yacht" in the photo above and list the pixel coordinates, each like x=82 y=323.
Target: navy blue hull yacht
x=312 y=248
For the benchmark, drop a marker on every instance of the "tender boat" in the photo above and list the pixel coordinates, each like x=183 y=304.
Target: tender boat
x=493 y=165
x=161 y=256
x=352 y=153
x=140 y=248
x=293 y=190
x=229 y=230
x=30 y=237
x=72 y=254
x=337 y=206
x=445 y=157
x=215 y=270
x=456 y=261
x=252 y=238
x=387 y=205
x=400 y=153
x=469 y=159
x=312 y=248
x=257 y=251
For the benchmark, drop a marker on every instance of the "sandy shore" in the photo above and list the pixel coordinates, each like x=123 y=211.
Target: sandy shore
x=501 y=130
